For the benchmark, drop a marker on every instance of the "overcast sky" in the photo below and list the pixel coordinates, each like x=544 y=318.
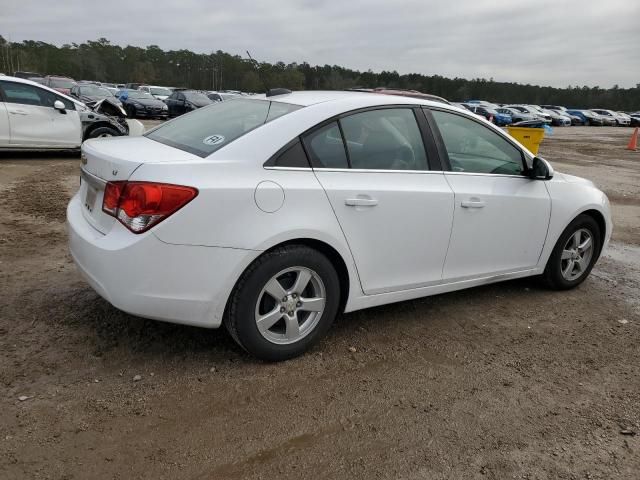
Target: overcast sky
x=544 y=42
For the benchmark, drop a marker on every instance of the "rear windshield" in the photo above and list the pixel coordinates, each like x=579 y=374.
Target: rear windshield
x=210 y=128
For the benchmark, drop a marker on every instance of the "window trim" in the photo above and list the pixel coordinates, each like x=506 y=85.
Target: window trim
x=445 y=155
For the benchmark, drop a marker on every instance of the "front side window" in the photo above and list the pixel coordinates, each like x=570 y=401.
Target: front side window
x=24 y=94
x=208 y=129
x=474 y=148
x=386 y=139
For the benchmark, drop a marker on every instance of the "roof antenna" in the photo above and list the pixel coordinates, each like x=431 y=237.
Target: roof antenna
x=270 y=92
x=257 y=67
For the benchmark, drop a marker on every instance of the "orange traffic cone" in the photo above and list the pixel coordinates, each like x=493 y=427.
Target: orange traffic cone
x=633 y=143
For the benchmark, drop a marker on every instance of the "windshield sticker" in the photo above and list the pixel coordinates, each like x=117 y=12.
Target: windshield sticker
x=213 y=140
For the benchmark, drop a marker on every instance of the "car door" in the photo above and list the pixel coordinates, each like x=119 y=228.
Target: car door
x=171 y=103
x=501 y=216
x=34 y=122
x=390 y=198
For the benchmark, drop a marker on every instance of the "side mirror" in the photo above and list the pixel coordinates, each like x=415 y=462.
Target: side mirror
x=540 y=169
x=58 y=105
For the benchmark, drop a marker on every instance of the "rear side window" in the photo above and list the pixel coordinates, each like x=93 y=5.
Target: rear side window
x=325 y=147
x=210 y=128
x=474 y=148
x=386 y=139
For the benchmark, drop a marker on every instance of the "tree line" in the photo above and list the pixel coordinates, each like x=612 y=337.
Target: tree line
x=101 y=60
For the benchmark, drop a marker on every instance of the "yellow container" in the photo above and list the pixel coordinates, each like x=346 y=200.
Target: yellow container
x=529 y=137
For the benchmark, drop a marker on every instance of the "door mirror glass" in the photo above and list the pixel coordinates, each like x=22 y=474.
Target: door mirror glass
x=58 y=105
x=540 y=169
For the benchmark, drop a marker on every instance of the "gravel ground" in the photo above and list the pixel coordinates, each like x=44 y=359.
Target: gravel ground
x=503 y=381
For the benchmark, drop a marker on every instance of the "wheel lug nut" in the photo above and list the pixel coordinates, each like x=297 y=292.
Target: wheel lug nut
x=282 y=310
x=284 y=299
x=299 y=304
x=294 y=295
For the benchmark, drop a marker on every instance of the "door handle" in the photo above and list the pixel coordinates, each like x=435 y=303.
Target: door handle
x=473 y=204
x=361 y=202
x=18 y=112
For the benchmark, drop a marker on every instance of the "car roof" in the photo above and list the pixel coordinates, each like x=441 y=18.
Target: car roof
x=312 y=97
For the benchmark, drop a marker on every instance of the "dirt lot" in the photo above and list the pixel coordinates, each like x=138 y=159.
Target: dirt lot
x=504 y=381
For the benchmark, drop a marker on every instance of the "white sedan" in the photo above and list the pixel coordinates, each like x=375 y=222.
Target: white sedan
x=273 y=214
x=35 y=116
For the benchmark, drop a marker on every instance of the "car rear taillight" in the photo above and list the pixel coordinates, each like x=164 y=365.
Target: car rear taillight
x=141 y=205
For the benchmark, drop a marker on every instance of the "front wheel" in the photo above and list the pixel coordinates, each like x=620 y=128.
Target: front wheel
x=103 y=132
x=283 y=303
x=574 y=255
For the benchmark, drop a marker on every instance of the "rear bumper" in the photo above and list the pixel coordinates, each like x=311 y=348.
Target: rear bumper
x=144 y=276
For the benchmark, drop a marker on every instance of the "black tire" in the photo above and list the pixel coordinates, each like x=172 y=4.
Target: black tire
x=104 y=132
x=552 y=276
x=131 y=111
x=240 y=318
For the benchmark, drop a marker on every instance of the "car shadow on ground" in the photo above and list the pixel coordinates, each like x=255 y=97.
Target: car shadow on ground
x=39 y=155
x=110 y=330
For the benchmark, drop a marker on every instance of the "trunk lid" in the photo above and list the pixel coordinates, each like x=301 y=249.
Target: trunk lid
x=113 y=159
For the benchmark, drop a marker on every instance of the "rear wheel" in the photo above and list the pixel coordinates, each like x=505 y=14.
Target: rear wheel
x=574 y=255
x=283 y=303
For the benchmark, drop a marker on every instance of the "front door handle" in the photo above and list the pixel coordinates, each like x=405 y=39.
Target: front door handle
x=473 y=203
x=18 y=112
x=361 y=202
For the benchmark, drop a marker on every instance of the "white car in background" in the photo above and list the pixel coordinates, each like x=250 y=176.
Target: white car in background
x=273 y=214
x=161 y=93
x=620 y=119
x=36 y=116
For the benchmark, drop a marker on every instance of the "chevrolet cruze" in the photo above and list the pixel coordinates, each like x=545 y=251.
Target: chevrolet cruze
x=272 y=214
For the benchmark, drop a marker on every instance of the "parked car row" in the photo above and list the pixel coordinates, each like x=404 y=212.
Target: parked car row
x=507 y=114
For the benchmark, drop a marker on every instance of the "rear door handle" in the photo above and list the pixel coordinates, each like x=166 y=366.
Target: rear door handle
x=361 y=202
x=473 y=204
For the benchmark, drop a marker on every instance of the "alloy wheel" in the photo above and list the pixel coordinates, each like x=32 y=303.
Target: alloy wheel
x=576 y=254
x=290 y=305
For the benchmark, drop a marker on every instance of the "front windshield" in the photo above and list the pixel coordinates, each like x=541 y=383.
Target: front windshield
x=210 y=128
x=160 y=91
x=94 y=91
x=62 y=83
x=139 y=94
x=196 y=97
